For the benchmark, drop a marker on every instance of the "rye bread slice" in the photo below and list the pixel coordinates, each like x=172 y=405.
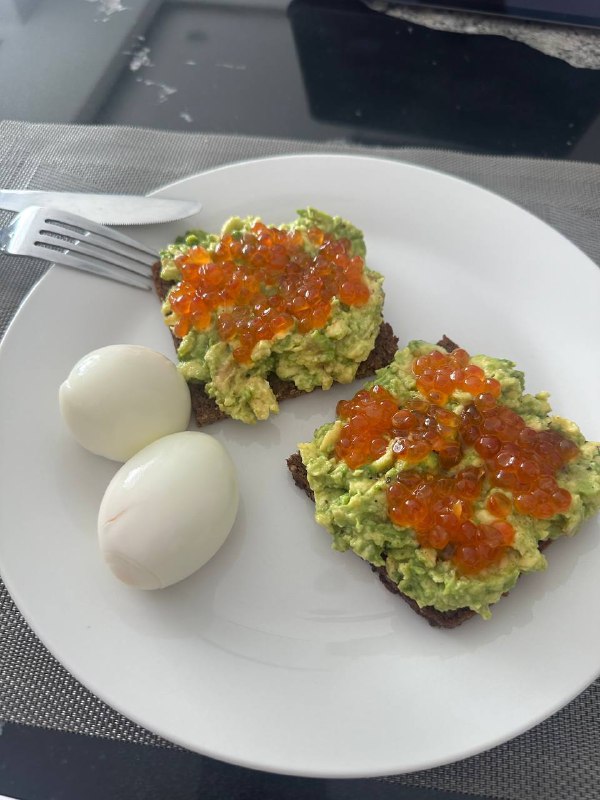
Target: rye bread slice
x=205 y=408
x=437 y=619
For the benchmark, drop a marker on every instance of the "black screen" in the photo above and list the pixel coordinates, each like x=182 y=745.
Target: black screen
x=572 y=12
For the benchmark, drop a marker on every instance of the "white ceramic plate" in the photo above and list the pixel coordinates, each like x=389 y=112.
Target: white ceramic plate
x=281 y=654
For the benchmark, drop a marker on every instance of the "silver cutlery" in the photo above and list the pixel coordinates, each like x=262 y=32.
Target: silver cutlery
x=107 y=209
x=73 y=241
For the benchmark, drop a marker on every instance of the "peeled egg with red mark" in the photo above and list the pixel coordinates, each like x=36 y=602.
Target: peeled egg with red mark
x=168 y=510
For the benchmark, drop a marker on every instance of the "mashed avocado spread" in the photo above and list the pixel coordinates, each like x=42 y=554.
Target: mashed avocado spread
x=352 y=503
x=308 y=358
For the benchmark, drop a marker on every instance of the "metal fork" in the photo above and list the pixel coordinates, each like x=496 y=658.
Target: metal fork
x=73 y=241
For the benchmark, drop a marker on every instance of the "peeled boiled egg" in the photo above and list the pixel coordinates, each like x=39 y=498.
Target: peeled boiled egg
x=120 y=398
x=168 y=510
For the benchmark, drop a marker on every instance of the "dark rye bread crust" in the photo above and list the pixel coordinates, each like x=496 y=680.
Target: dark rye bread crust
x=437 y=619
x=205 y=408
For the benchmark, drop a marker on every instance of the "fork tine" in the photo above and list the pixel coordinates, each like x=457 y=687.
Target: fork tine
x=60 y=218
x=85 y=242
x=116 y=256
x=93 y=265
x=81 y=247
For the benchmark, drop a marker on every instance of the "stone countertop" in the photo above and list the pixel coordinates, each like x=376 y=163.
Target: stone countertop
x=579 y=47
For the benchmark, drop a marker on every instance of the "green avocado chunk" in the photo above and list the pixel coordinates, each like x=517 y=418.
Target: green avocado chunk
x=310 y=360
x=351 y=503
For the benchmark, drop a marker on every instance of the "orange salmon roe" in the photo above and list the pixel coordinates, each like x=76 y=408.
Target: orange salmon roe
x=373 y=419
x=439 y=508
x=260 y=285
x=516 y=459
x=440 y=374
x=366 y=434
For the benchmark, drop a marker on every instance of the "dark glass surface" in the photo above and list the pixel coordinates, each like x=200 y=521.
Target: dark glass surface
x=40 y=765
x=406 y=84
x=307 y=69
x=312 y=69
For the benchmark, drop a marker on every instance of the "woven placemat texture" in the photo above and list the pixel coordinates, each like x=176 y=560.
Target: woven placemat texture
x=559 y=758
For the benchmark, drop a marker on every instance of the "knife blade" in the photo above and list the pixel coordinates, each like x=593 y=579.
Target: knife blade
x=107 y=209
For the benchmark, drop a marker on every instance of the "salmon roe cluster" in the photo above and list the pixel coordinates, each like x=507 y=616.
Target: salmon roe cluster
x=258 y=286
x=439 y=508
x=518 y=458
x=440 y=374
x=519 y=461
x=366 y=434
x=373 y=418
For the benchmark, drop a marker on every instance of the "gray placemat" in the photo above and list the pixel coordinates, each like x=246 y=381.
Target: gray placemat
x=559 y=758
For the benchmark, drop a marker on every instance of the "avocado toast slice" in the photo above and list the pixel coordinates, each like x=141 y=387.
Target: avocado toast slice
x=260 y=314
x=450 y=526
